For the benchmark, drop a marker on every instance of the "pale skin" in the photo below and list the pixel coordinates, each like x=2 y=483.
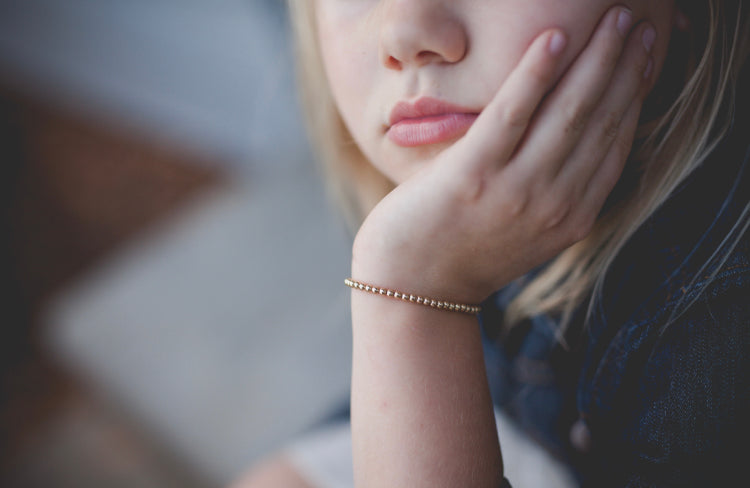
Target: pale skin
x=469 y=214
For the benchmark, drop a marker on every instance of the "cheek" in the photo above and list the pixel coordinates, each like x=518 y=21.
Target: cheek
x=503 y=32
x=349 y=58
x=508 y=41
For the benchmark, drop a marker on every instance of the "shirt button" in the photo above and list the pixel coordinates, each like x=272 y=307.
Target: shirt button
x=580 y=436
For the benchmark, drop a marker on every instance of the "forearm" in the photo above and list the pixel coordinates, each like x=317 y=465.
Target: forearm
x=526 y=181
x=421 y=408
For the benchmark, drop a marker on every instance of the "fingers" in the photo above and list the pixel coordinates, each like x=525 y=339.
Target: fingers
x=627 y=89
x=608 y=172
x=566 y=112
x=502 y=124
x=562 y=151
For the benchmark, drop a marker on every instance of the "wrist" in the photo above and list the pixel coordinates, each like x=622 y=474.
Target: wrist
x=437 y=304
x=421 y=275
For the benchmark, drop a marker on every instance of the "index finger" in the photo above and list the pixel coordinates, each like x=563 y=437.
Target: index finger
x=502 y=124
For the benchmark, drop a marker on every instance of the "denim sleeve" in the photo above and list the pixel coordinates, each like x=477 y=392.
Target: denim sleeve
x=680 y=412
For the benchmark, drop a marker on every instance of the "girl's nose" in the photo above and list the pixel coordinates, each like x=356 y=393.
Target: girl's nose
x=420 y=32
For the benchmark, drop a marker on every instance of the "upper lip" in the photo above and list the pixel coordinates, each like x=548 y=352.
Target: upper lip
x=424 y=107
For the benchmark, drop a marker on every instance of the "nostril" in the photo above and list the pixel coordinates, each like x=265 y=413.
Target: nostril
x=392 y=63
x=420 y=33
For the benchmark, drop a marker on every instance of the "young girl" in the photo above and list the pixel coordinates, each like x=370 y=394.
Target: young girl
x=588 y=159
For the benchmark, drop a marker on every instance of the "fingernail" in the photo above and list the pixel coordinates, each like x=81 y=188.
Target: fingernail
x=649 y=36
x=624 y=21
x=557 y=43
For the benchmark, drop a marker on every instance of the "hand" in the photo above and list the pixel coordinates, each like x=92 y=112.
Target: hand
x=527 y=180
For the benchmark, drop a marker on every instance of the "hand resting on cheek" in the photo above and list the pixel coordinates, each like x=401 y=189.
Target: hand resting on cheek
x=526 y=181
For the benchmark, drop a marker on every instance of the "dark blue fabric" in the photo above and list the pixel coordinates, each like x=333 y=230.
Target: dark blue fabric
x=659 y=374
x=664 y=401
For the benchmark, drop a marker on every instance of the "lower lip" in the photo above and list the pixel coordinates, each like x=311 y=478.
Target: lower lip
x=430 y=130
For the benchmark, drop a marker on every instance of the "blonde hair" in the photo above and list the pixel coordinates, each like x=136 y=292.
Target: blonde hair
x=675 y=136
x=356 y=185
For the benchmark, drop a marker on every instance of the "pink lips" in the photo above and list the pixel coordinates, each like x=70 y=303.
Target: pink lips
x=428 y=121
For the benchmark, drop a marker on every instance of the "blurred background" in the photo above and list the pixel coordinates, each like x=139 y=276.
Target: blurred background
x=172 y=298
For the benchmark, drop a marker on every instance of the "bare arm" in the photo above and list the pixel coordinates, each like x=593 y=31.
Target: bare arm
x=420 y=396
x=526 y=181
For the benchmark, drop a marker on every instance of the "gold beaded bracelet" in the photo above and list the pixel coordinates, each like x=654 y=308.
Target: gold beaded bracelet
x=406 y=297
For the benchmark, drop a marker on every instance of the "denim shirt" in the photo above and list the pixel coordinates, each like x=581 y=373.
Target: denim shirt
x=639 y=396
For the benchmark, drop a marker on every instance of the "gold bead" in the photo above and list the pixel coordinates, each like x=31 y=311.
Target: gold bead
x=429 y=302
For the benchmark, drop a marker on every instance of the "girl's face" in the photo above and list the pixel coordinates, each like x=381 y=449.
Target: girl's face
x=435 y=64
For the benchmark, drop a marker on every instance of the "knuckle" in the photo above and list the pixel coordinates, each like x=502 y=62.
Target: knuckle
x=576 y=118
x=610 y=126
x=554 y=210
x=515 y=201
x=468 y=186
x=515 y=116
x=622 y=148
x=577 y=191
x=581 y=226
